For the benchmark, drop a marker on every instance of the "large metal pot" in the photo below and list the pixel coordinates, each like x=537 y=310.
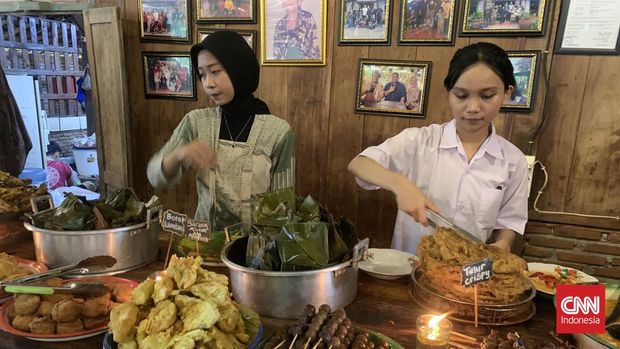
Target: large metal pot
x=284 y=294
x=132 y=246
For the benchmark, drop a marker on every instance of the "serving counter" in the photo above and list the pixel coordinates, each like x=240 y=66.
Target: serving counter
x=381 y=306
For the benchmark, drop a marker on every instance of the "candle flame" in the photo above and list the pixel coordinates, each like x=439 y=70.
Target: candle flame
x=433 y=323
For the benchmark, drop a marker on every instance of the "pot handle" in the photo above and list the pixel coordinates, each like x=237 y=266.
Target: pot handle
x=360 y=252
x=150 y=213
x=34 y=202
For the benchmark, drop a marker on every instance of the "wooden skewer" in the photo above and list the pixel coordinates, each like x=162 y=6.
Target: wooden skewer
x=307 y=343
x=460 y=346
x=330 y=346
x=280 y=344
x=317 y=344
x=458 y=334
x=463 y=340
x=293 y=342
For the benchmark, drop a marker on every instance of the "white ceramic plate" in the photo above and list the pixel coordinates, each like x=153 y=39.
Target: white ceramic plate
x=387 y=264
x=550 y=269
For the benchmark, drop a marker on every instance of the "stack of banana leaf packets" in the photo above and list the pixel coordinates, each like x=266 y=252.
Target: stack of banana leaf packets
x=291 y=233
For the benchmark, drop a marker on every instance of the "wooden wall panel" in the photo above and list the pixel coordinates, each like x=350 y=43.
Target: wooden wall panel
x=318 y=102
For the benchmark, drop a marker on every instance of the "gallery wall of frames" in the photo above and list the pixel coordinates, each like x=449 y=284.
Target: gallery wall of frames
x=370 y=69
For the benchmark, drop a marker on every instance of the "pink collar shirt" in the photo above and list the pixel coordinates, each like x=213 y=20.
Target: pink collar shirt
x=489 y=192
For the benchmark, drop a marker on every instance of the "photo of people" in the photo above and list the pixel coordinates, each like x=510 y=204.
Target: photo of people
x=427 y=21
x=168 y=75
x=225 y=10
x=524 y=65
x=164 y=20
x=248 y=35
x=293 y=32
x=392 y=87
x=501 y=16
x=365 y=21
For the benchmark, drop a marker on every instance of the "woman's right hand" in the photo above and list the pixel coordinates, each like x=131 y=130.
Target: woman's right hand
x=412 y=201
x=197 y=155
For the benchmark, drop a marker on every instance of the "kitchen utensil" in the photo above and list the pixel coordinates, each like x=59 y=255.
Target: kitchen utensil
x=437 y=220
x=279 y=293
x=82 y=289
x=82 y=267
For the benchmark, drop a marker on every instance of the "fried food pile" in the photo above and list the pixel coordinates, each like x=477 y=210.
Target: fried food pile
x=185 y=307
x=443 y=254
x=15 y=193
x=10 y=269
x=62 y=313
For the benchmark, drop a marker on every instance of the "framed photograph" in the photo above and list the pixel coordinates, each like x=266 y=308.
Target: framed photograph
x=248 y=35
x=168 y=75
x=226 y=11
x=392 y=87
x=365 y=22
x=585 y=29
x=525 y=64
x=427 y=22
x=503 y=18
x=293 y=32
x=164 y=20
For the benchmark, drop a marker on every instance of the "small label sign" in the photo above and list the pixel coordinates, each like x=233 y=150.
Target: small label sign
x=476 y=272
x=180 y=224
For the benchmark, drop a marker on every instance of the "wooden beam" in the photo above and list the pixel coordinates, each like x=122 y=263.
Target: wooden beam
x=583 y=221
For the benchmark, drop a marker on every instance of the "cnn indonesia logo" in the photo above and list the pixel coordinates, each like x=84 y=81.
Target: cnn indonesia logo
x=580 y=309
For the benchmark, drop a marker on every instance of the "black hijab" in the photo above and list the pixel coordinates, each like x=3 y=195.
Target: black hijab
x=242 y=67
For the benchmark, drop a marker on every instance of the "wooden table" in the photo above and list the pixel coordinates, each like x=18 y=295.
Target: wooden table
x=382 y=306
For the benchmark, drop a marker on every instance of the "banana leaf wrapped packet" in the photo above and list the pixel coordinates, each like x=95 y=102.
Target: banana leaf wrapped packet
x=291 y=233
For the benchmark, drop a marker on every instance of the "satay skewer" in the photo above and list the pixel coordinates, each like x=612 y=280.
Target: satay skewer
x=317 y=344
x=458 y=334
x=460 y=346
x=463 y=340
x=280 y=344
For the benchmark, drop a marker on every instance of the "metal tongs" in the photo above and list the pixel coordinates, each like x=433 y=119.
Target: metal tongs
x=84 y=289
x=436 y=220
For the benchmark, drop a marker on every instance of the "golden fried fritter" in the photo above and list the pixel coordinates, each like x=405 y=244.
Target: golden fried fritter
x=42 y=325
x=199 y=315
x=94 y=322
x=220 y=340
x=26 y=304
x=123 y=319
x=22 y=322
x=182 y=300
x=66 y=311
x=142 y=294
x=163 y=286
x=70 y=327
x=132 y=344
x=158 y=340
x=161 y=318
x=56 y=297
x=213 y=292
x=184 y=271
x=10 y=312
x=229 y=317
x=45 y=308
x=209 y=276
x=94 y=307
x=186 y=340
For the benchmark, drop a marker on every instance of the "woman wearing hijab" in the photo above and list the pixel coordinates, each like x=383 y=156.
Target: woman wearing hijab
x=237 y=148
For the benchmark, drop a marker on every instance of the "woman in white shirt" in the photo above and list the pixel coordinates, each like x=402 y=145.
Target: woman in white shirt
x=462 y=168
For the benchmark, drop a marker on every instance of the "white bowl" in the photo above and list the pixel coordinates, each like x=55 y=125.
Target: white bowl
x=387 y=264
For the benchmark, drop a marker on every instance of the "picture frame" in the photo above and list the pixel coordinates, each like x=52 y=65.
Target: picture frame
x=248 y=35
x=164 y=20
x=595 y=34
x=380 y=90
x=435 y=28
x=226 y=11
x=292 y=47
x=168 y=75
x=525 y=64
x=505 y=18
x=365 y=24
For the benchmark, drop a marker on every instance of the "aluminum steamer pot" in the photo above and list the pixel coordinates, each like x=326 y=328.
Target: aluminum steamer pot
x=283 y=294
x=132 y=246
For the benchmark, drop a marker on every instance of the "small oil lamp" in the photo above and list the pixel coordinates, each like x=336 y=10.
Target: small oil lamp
x=433 y=332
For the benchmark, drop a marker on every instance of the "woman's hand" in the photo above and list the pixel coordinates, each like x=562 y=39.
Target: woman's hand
x=197 y=155
x=412 y=201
